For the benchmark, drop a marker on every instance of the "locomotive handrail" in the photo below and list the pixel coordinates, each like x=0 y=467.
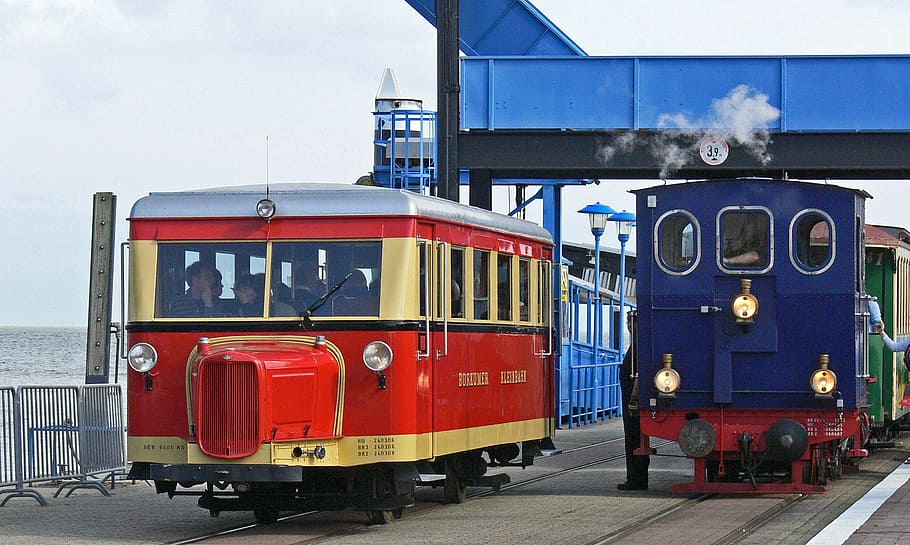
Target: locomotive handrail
x=866 y=316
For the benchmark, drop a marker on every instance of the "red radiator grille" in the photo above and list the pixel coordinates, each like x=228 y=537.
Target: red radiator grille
x=228 y=409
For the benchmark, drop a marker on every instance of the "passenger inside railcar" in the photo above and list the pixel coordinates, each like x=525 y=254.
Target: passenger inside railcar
x=354 y=297
x=248 y=294
x=308 y=287
x=199 y=299
x=280 y=303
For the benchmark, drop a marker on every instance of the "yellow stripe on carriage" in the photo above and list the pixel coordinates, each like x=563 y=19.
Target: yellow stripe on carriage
x=346 y=451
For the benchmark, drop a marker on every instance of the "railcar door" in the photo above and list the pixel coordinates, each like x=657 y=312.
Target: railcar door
x=429 y=342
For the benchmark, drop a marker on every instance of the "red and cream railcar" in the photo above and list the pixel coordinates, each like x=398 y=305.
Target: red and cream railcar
x=333 y=346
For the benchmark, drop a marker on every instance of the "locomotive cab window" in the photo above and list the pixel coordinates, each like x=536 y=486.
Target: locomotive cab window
x=677 y=241
x=812 y=241
x=744 y=239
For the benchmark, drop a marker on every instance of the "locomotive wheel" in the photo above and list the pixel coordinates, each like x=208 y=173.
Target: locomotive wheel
x=377 y=517
x=454 y=487
x=398 y=513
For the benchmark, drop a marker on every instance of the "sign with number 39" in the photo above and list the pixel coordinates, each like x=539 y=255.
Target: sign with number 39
x=713 y=150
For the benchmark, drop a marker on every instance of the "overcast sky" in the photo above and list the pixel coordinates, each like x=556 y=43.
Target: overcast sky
x=136 y=96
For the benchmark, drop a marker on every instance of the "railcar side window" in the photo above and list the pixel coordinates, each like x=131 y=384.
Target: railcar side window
x=744 y=236
x=457 y=302
x=677 y=242
x=812 y=241
x=204 y=279
x=481 y=285
x=504 y=286
x=524 y=290
x=304 y=272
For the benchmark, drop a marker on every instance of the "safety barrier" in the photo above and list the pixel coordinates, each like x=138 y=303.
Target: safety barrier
x=66 y=435
x=588 y=382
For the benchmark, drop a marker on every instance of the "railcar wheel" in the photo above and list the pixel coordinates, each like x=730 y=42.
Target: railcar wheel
x=454 y=487
x=377 y=517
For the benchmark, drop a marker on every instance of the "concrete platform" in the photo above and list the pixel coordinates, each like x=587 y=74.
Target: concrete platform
x=579 y=506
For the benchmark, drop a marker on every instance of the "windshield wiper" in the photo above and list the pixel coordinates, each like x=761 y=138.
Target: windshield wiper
x=323 y=299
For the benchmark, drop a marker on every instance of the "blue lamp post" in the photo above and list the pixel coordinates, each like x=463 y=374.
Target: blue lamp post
x=597 y=215
x=625 y=221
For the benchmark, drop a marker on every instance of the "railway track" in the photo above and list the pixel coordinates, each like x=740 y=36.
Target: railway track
x=642 y=531
x=627 y=519
x=428 y=506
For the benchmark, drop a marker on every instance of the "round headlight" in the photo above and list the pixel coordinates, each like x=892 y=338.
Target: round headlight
x=377 y=356
x=823 y=381
x=745 y=307
x=142 y=357
x=666 y=380
x=265 y=208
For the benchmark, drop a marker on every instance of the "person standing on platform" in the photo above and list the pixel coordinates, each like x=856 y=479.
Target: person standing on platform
x=636 y=466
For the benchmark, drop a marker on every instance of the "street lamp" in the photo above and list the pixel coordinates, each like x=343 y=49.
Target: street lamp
x=597 y=215
x=625 y=221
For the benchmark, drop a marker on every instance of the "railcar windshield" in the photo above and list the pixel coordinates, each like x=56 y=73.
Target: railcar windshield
x=228 y=279
x=305 y=272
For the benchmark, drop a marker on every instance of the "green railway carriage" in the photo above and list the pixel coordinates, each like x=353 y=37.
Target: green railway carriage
x=888 y=279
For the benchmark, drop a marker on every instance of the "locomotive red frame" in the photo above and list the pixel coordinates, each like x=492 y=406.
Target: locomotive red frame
x=275 y=412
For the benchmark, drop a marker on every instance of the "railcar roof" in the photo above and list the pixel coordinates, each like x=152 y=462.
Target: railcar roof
x=747 y=180
x=324 y=199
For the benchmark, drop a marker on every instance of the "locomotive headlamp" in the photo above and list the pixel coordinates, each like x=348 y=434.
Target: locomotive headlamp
x=142 y=357
x=745 y=305
x=377 y=356
x=667 y=379
x=823 y=381
x=265 y=209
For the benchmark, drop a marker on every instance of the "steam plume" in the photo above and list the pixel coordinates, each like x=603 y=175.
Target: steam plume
x=742 y=118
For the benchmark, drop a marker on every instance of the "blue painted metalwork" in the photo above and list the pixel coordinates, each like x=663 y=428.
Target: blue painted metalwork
x=813 y=93
x=588 y=387
x=504 y=27
x=405 y=149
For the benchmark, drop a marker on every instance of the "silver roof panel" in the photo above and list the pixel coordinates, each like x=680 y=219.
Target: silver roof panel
x=324 y=199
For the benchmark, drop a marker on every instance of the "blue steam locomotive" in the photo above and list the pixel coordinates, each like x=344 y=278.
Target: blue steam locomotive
x=753 y=331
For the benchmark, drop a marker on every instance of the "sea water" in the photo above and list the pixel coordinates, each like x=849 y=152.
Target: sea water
x=46 y=356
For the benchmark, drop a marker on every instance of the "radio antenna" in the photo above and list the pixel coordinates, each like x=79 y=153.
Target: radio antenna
x=266 y=166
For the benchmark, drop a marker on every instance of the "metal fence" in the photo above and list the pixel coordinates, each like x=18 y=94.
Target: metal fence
x=588 y=382
x=64 y=435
